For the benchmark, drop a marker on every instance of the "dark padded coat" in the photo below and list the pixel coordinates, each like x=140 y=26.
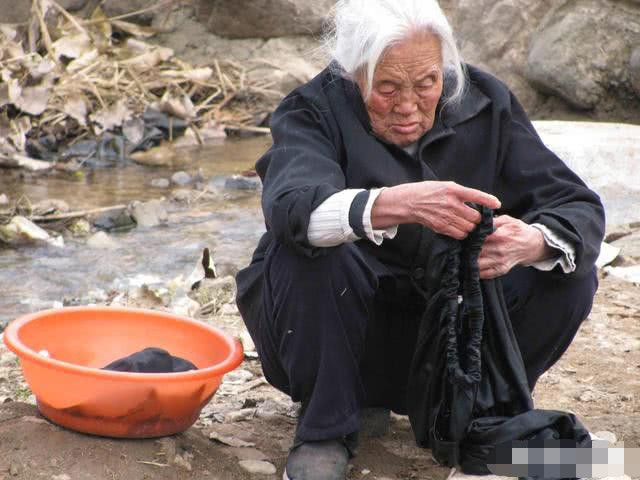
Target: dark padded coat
x=323 y=143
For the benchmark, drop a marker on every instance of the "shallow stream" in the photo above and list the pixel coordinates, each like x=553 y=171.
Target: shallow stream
x=35 y=278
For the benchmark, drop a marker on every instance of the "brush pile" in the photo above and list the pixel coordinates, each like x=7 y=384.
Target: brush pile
x=94 y=91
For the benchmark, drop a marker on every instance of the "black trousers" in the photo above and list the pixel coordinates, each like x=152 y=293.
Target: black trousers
x=338 y=332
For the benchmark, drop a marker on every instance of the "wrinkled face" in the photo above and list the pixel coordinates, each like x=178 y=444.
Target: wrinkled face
x=406 y=88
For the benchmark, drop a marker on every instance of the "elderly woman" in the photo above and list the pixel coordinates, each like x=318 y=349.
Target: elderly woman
x=381 y=151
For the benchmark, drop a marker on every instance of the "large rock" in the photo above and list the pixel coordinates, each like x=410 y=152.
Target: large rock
x=495 y=35
x=583 y=49
x=606 y=156
x=266 y=18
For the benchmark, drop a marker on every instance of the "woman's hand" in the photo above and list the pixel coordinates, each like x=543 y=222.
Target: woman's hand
x=513 y=243
x=439 y=206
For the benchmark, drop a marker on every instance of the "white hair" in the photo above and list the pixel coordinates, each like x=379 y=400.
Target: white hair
x=363 y=29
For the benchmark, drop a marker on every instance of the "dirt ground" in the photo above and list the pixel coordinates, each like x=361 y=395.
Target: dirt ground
x=598 y=379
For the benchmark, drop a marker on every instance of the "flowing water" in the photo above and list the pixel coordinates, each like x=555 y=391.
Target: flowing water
x=35 y=278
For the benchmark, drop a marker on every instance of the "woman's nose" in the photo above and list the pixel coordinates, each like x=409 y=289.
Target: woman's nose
x=407 y=103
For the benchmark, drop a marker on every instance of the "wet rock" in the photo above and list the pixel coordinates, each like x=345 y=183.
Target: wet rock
x=101 y=240
x=258 y=467
x=268 y=18
x=149 y=214
x=634 y=69
x=181 y=178
x=567 y=57
x=183 y=195
x=215 y=292
x=80 y=228
x=50 y=206
x=119 y=219
x=240 y=182
x=160 y=183
x=4 y=200
x=20 y=230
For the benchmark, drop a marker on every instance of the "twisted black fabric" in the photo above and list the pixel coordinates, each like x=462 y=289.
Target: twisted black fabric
x=468 y=391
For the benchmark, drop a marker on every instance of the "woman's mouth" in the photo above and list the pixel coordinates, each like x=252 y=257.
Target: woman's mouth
x=405 y=128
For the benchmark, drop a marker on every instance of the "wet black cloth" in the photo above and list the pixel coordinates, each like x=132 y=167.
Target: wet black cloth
x=338 y=331
x=468 y=389
x=151 y=360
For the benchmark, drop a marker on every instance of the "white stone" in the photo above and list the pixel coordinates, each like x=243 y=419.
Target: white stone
x=258 y=467
x=629 y=274
x=606 y=156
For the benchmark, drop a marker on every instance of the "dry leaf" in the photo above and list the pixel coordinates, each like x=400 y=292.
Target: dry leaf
x=112 y=117
x=83 y=61
x=133 y=29
x=40 y=67
x=34 y=100
x=72 y=46
x=194 y=74
x=181 y=107
x=104 y=27
x=138 y=45
x=76 y=107
x=133 y=130
x=148 y=60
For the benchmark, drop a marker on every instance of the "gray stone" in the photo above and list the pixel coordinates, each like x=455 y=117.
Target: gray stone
x=629 y=246
x=101 y=240
x=581 y=52
x=258 y=467
x=72 y=5
x=634 y=69
x=14 y=12
x=119 y=219
x=239 y=182
x=114 y=8
x=160 y=183
x=149 y=214
x=181 y=178
x=4 y=200
x=267 y=18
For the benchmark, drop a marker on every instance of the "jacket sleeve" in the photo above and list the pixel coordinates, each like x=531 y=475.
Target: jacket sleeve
x=299 y=172
x=537 y=187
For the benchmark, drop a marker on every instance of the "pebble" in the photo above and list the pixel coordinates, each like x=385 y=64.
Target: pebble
x=160 y=183
x=102 y=241
x=181 y=178
x=607 y=437
x=4 y=200
x=238 y=182
x=14 y=470
x=238 y=377
x=258 y=467
x=149 y=214
x=63 y=476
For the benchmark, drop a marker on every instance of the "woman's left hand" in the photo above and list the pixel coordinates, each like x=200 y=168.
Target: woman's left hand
x=513 y=243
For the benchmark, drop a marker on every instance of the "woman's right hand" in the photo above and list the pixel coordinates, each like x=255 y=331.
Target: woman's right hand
x=439 y=206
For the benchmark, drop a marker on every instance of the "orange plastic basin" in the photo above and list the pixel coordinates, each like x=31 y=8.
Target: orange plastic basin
x=73 y=391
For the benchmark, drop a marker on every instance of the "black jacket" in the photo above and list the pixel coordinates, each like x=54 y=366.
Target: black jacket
x=323 y=143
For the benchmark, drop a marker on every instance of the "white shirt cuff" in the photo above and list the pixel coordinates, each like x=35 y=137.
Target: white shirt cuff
x=567 y=252
x=376 y=236
x=329 y=222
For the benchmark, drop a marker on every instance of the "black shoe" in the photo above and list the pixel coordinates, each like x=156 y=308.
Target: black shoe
x=324 y=460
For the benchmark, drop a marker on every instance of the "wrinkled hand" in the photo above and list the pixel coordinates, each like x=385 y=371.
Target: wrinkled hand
x=439 y=206
x=513 y=243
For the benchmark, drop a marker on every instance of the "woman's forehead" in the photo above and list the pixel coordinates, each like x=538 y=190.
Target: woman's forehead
x=417 y=54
